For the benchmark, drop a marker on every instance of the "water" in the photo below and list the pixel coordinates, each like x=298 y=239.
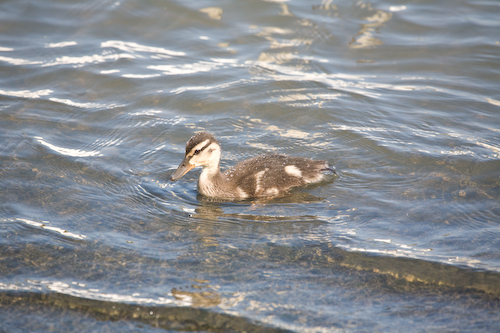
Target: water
x=97 y=100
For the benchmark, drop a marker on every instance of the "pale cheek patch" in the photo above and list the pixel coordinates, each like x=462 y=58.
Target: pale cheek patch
x=213 y=147
x=207 y=156
x=292 y=170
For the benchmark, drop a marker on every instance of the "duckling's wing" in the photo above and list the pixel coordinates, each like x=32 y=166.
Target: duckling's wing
x=268 y=175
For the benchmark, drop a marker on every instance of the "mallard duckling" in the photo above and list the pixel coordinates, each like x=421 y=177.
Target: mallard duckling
x=260 y=176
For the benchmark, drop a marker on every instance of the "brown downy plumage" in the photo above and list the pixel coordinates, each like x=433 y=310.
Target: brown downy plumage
x=260 y=176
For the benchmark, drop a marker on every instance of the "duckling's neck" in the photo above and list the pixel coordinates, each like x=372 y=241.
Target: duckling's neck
x=210 y=172
x=211 y=181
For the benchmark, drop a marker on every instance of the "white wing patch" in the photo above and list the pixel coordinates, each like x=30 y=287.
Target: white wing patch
x=258 y=177
x=272 y=191
x=242 y=194
x=292 y=170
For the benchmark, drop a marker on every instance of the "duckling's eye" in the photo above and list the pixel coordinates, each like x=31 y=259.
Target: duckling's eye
x=196 y=152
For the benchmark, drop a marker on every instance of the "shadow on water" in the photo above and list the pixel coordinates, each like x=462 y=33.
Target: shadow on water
x=365 y=278
x=171 y=318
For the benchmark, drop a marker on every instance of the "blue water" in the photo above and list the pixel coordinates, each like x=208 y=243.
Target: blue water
x=97 y=101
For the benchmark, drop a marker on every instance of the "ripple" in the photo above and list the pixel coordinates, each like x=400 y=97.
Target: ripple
x=82 y=105
x=80 y=61
x=68 y=151
x=61 y=44
x=132 y=47
x=27 y=93
x=45 y=225
x=99 y=98
x=193 y=68
x=19 y=62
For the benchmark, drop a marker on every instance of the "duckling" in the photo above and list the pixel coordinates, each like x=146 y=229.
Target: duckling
x=260 y=176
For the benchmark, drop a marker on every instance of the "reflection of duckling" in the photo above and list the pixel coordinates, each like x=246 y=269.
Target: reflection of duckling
x=260 y=176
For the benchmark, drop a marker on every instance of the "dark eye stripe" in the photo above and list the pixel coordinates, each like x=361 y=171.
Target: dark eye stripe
x=197 y=151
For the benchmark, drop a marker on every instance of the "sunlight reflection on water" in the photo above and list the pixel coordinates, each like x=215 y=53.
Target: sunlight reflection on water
x=99 y=99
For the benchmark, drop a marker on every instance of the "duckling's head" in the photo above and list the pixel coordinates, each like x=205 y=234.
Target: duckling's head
x=203 y=150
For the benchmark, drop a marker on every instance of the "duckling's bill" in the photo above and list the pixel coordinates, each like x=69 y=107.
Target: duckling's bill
x=183 y=168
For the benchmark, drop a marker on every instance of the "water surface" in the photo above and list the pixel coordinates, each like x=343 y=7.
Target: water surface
x=98 y=98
